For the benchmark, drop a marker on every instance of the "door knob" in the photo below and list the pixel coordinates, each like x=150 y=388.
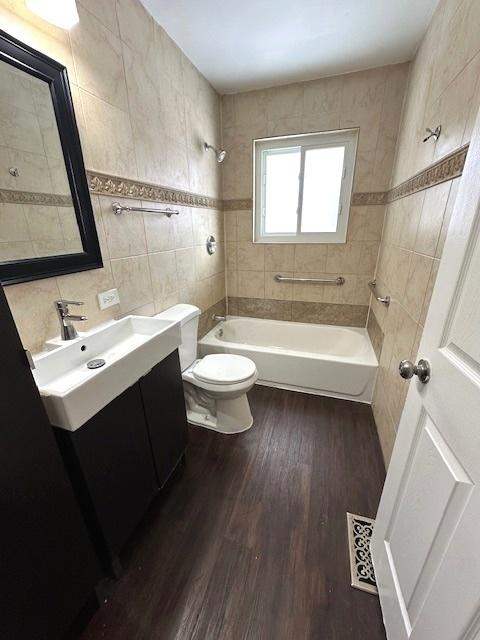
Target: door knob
x=407 y=370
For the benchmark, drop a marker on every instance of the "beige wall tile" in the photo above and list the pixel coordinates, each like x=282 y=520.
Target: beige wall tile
x=133 y=281
x=13 y=223
x=244 y=226
x=357 y=223
x=343 y=258
x=431 y=219
x=84 y=287
x=429 y=291
x=16 y=250
x=159 y=231
x=251 y=284
x=374 y=219
x=385 y=426
x=136 y=25
x=447 y=216
x=279 y=257
x=92 y=43
x=183 y=228
x=311 y=257
x=104 y=11
x=417 y=283
x=125 y=234
x=109 y=137
x=231 y=226
x=305 y=292
x=250 y=257
x=278 y=290
x=368 y=258
x=163 y=271
x=185 y=265
x=410 y=211
x=203 y=263
x=35 y=328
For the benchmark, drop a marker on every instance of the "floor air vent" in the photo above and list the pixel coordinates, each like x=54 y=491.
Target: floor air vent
x=360 y=532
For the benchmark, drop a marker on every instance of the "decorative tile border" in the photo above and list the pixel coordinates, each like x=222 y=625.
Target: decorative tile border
x=104 y=184
x=238 y=205
x=361 y=199
x=447 y=168
x=358 y=199
x=11 y=196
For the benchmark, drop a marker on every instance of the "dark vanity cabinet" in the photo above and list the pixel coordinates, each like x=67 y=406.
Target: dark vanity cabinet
x=120 y=458
x=48 y=567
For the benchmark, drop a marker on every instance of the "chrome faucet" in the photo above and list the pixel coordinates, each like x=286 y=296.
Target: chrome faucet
x=217 y=318
x=68 y=331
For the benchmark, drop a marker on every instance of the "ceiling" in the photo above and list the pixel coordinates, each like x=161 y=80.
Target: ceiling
x=247 y=44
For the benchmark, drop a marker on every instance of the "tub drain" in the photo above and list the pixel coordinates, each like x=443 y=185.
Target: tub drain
x=96 y=364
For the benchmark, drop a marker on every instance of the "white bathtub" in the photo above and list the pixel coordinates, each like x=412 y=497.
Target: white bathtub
x=313 y=358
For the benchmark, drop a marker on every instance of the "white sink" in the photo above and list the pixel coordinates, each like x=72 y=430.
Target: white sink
x=72 y=393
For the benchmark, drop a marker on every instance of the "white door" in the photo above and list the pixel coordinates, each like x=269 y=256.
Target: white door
x=426 y=543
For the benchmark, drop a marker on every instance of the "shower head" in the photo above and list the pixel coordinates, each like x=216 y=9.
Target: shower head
x=220 y=154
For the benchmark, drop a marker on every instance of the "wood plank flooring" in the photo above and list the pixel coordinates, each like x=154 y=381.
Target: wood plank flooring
x=250 y=541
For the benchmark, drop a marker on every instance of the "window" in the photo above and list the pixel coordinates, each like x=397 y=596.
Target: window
x=303 y=186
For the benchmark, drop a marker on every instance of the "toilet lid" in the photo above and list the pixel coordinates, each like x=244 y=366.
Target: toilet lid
x=224 y=368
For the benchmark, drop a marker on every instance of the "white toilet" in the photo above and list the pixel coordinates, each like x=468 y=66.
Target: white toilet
x=215 y=386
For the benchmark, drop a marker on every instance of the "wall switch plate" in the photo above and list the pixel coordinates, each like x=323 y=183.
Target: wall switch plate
x=108 y=298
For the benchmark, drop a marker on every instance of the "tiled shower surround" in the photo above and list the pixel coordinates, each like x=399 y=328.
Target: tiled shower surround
x=370 y=100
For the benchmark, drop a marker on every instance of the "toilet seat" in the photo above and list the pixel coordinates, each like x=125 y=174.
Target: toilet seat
x=224 y=369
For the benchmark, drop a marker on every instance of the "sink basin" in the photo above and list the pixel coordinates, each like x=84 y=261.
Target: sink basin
x=73 y=393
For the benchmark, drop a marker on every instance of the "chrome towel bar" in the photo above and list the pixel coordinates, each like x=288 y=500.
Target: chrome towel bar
x=118 y=209
x=338 y=281
x=371 y=286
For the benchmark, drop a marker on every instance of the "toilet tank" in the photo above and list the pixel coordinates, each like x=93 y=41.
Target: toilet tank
x=187 y=315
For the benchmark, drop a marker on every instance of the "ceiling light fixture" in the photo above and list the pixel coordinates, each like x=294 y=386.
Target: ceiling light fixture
x=61 y=13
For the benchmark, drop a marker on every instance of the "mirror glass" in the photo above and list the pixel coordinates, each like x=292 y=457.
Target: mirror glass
x=37 y=216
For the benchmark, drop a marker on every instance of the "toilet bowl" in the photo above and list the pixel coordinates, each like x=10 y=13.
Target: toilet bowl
x=215 y=386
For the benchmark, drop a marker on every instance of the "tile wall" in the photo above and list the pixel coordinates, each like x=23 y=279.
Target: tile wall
x=370 y=100
x=443 y=88
x=143 y=112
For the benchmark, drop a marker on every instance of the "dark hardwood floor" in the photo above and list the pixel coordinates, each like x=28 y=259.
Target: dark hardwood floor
x=250 y=541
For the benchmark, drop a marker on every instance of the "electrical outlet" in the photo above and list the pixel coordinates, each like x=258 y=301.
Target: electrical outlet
x=108 y=298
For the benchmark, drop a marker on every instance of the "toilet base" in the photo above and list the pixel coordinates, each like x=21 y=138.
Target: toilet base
x=232 y=415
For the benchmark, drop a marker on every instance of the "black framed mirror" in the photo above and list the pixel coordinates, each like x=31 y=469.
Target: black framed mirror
x=47 y=227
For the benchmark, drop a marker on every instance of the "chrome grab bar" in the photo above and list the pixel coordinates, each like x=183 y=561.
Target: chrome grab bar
x=384 y=300
x=118 y=209
x=338 y=281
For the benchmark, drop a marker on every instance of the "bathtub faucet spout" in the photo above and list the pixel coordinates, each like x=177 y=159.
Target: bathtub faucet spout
x=217 y=318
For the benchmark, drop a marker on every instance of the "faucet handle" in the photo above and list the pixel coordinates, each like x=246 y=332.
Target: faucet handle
x=62 y=302
x=62 y=305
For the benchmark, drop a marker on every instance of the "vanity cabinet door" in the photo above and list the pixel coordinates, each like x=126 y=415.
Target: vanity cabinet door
x=164 y=404
x=111 y=463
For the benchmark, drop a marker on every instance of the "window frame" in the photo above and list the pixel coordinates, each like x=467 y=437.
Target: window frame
x=348 y=138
